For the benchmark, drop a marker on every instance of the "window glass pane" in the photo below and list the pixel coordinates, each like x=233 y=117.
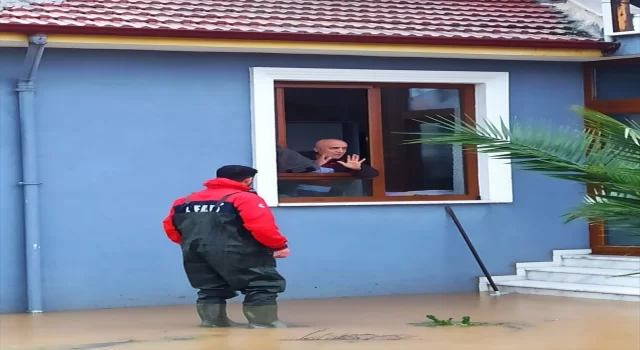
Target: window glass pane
x=621 y=237
x=618 y=82
x=318 y=188
x=625 y=118
x=618 y=236
x=324 y=122
x=316 y=114
x=420 y=169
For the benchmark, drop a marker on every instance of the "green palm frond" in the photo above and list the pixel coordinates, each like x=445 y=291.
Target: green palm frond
x=604 y=154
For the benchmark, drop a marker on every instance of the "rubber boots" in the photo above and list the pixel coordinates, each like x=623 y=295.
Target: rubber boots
x=214 y=315
x=263 y=316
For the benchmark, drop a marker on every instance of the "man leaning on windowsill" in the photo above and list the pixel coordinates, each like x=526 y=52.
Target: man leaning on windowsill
x=328 y=156
x=331 y=154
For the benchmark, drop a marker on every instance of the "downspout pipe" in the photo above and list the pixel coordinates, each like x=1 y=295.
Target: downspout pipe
x=26 y=89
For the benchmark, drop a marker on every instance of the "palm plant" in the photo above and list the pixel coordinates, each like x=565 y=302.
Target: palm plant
x=604 y=155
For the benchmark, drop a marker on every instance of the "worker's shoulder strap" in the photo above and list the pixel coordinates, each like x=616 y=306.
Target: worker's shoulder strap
x=216 y=207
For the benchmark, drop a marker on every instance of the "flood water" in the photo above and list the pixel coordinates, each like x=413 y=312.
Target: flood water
x=532 y=322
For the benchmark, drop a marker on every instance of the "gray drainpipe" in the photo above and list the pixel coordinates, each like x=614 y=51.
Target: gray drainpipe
x=26 y=101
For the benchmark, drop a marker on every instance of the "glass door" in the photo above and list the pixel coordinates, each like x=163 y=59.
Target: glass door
x=612 y=87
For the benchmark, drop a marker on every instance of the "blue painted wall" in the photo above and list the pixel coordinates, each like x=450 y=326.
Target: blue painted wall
x=122 y=134
x=629 y=45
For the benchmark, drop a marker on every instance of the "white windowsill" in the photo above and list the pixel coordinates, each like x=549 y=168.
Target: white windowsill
x=353 y=204
x=492 y=104
x=635 y=32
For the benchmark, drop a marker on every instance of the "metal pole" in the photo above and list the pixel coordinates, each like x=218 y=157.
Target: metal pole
x=471 y=247
x=26 y=102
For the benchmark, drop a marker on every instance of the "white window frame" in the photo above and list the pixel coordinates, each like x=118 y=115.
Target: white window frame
x=492 y=104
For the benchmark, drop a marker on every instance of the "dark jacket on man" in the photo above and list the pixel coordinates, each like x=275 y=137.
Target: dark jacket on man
x=365 y=172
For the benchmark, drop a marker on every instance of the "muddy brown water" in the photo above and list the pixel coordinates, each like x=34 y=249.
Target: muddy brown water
x=533 y=322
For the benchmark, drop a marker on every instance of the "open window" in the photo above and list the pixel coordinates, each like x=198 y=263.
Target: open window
x=373 y=119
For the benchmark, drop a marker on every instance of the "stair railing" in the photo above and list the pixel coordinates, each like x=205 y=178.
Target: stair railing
x=453 y=216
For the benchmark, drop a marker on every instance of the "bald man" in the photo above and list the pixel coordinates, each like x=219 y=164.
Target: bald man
x=332 y=154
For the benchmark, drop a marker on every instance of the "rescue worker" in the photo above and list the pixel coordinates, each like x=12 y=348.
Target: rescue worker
x=229 y=243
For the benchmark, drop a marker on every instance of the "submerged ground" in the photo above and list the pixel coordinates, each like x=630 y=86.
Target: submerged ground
x=520 y=322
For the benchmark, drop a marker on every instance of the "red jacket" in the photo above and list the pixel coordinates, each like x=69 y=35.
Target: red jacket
x=255 y=213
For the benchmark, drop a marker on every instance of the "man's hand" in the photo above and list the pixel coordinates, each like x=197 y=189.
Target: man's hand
x=280 y=254
x=322 y=160
x=353 y=162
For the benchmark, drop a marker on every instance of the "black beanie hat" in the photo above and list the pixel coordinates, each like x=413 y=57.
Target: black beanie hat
x=236 y=172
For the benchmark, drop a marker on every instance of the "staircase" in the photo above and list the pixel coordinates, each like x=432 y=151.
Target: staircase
x=574 y=273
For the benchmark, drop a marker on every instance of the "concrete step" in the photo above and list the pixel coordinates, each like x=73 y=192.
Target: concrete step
x=575 y=290
x=574 y=273
x=631 y=263
x=583 y=275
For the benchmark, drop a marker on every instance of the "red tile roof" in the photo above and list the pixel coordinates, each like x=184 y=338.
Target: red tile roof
x=463 y=22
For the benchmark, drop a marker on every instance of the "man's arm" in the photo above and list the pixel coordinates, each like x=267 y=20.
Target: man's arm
x=259 y=220
x=366 y=172
x=171 y=231
x=357 y=168
x=290 y=161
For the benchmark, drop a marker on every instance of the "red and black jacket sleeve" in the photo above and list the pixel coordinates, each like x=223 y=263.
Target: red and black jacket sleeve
x=167 y=224
x=258 y=219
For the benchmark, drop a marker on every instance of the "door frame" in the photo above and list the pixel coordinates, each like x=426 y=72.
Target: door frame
x=597 y=229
